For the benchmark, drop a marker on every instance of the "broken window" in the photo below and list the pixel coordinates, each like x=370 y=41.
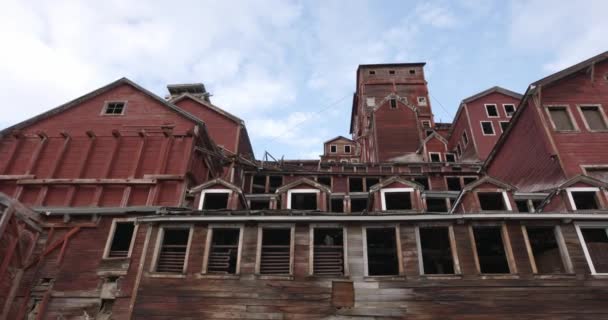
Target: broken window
x=423 y=181
x=450 y=157
x=584 y=200
x=458 y=150
x=346 y=149
x=382 y=257
x=355 y=184
x=121 y=240
x=303 y=200
x=259 y=204
x=397 y=200
x=561 y=118
x=453 y=183
x=223 y=254
x=393 y=103
x=487 y=128
x=436 y=250
x=435 y=157
x=173 y=250
x=258 y=184
x=490 y=250
x=436 y=205
x=215 y=200
x=275 y=257
x=358 y=204
x=504 y=125
x=114 y=108
x=492 y=110
x=328 y=255
x=596 y=242
x=465 y=138
x=337 y=205
x=333 y=148
x=325 y=180
x=491 y=201
x=545 y=250
x=594 y=118
x=274 y=182
x=509 y=109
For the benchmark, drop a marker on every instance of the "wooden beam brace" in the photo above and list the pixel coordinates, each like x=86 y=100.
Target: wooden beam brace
x=44 y=304
x=36 y=155
x=6 y=220
x=164 y=155
x=54 y=246
x=86 y=156
x=60 y=155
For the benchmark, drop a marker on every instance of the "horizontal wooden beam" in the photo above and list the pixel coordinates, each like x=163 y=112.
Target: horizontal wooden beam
x=16 y=176
x=87 y=181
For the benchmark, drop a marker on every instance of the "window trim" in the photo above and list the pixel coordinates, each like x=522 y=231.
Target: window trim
x=485 y=106
x=581 y=239
x=396 y=227
x=349 y=149
x=203 y=192
x=580 y=107
x=107 y=103
x=332 y=146
x=109 y=240
x=258 y=254
x=561 y=244
x=311 y=245
x=437 y=153
x=453 y=248
x=505 y=198
x=491 y=124
x=426 y=121
x=506 y=242
x=575 y=127
x=504 y=108
x=584 y=189
x=291 y=191
x=208 y=240
x=502 y=130
x=390 y=101
x=383 y=193
x=461 y=182
x=160 y=235
x=422 y=101
x=446 y=157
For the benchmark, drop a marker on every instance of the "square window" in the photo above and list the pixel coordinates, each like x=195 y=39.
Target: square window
x=426 y=124
x=436 y=250
x=509 y=109
x=358 y=204
x=303 y=201
x=397 y=200
x=393 y=103
x=522 y=205
x=491 y=110
x=593 y=117
x=435 y=157
x=121 y=240
x=422 y=101
x=114 y=108
x=450 y=157
x=504 y=125
x=333 y=148
x=487 y=128
x=491 y=201
x=215 y=200
x=355 y=184
x=346 y=149
x=545 y=250
x=223 y=254
x=561 y=119
x=453 y=183
x=258 y=184
x=337 y=205
x=465 y=138
x=275 y=255
x=372 y=72
x=490 y=250
x=584 y=200
x=412 y=71
x=391 y=72
x=382 y=257
x=328 y=252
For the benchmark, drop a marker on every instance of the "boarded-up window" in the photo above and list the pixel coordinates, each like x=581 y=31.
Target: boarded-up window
x=453 y=183
x=490 y=250
x=382 y=252
x=593 y=117
x=215 y=200
x=561 y=118
x=492 y=110
x=328 y=255
x=276 y=251
x=223 y=253
x=304 y=201
x=436 y=250
x=491 y=201
x=547 y=256
x=596 y=241
x=398 y=200
x=121 y=240
x=487 y=128
x=585 y=200
x=173 y=250
x=436 y=205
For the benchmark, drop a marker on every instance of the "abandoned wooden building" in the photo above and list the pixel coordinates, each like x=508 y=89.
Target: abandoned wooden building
x=122 y=204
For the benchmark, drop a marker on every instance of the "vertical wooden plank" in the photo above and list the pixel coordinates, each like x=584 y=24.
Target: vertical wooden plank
x=4 y=169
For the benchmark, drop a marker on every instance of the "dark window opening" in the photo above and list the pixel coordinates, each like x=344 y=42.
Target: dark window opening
x=223 y=253
x=328 y=256
x=346 y=149
x=561 y=118
x=492 y=110
x=458 y=150
x=259 y=204
x=372 y=72
x=121 y=242
x=436 y=250
x=453 y=183
x=585 y=200
x=382 y=257
x=491 y=201
x=412 y=71
x=304 y=201
x=450 y=157
x=504 y=125
x=436 y=205
x=391 y=72
x=274 y=182
x=490 y=250
x=355 y=184
x=337 y=205
x=536 y=204
x=114 y=108
x=522 y=205
x=393 y=104
x=173 y=250
x=276 y=251
x=465 y=138
x=426 y=124
x=435 y=157
x=333 y=148
x=423 y=181
x=594 y=117
x=259 y=184
x=358 y=204
x=370 y=182
x=428 y=132
x=596 y=241
x=468 y=180
x=325 y=180
x=215 y=200
x=398 y=200
x=487 y=127
x=545 y=250
x=509 y=110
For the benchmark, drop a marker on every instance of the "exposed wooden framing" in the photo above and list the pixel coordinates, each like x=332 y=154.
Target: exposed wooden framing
x=91 y=181
x=208 y=243
x=36 y=155
x=399 y=252
x=54 y=246
x=86 y=155
x=11 y=155
x=140 y=270
x=44 y=304
x=60 y=155
x=164 y=155
x=106 y=250
x=292 y=239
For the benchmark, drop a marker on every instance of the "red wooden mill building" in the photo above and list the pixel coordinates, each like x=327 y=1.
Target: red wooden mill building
x=122 y=204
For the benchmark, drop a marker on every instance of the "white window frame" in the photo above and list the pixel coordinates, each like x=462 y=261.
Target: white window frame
x=106 y=251
x=290 y=192
x=383 y=193
x=107 y=103
x=311 y=245
x=491 y=124
x=332 y=147
x=396 y=227
x=500 y=124
x=204 y=192
x=427 y=122
x=465 y=138
x=437 y=153
x=485 y=106
x=583 y=189
x=208 y=240
x=561 y=244
x=422 y=101
x=390 y=103
x=590 y=225
x=453 y=249
x=452 y=153
x=258 y=260
x=349 y=149
x=575 y=127
x=505 y=197
x=160 y=236
x=602 y=114
x=504 y=108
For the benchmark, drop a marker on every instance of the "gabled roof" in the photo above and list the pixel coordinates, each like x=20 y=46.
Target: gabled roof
x=208 y=105
x=394 y=179
x=95 y=93
x=338 y=137
x=571 y=70
x=490 y=180
x=215 y=182
x=584 y=179
x=492 y=90
x=435 y=134
x=307 y=181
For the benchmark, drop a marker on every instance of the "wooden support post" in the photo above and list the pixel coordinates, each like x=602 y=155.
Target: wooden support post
x=60 y=155
x=36 y=155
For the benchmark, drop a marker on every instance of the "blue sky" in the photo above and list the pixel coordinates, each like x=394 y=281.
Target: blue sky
x=286 y=67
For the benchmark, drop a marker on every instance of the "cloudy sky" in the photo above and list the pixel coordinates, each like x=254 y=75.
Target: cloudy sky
x=286 y=67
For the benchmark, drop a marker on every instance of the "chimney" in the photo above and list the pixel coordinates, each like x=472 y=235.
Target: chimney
x=196 y=89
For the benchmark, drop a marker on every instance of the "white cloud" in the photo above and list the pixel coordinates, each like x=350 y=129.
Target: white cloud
x=436 y=15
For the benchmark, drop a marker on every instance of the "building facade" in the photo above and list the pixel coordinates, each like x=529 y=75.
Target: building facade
x=124 y=205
